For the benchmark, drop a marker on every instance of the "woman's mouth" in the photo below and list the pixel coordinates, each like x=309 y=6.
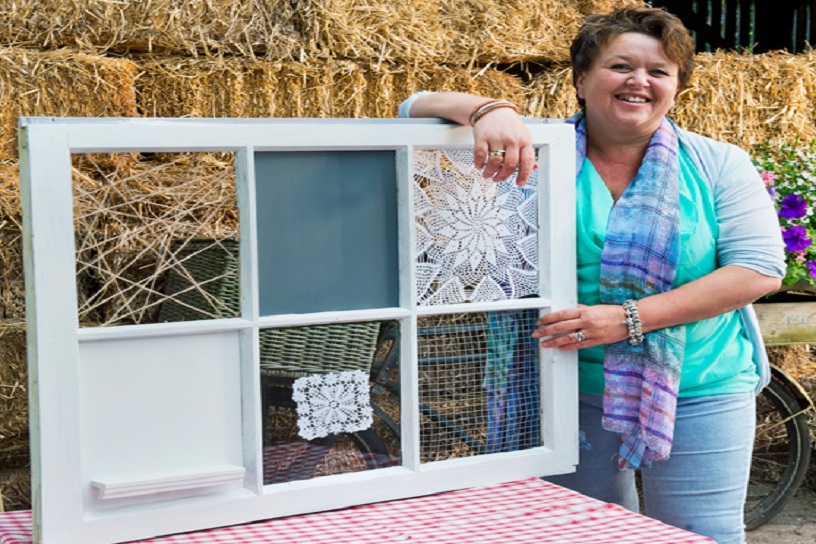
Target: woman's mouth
x=632 y=99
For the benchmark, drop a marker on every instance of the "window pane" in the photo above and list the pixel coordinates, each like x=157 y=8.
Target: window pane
x=327 y=230
x=156 y=237
x=476 y=240
x=330 y=399
x=478 y=384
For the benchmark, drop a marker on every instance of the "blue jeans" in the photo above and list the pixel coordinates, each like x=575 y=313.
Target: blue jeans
x=701 y=487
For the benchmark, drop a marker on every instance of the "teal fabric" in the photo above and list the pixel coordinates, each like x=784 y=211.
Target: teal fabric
x=718 y=356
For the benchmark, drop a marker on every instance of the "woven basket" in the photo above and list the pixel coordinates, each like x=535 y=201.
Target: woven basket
x=318 y=349
x=290 y=352
x=208 y=287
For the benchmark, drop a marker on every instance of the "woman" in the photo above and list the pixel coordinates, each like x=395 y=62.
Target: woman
x=676 y=237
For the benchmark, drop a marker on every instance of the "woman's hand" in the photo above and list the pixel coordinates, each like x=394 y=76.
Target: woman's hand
x=724 y=290
x=502 y=129
x=582 y=327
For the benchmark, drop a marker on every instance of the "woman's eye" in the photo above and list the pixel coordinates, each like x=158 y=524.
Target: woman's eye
x=620 y=67
x=660 y=73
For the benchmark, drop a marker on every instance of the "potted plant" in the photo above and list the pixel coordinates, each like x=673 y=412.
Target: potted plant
x=789 y=171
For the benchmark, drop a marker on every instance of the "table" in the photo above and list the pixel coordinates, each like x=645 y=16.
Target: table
x=524 y=511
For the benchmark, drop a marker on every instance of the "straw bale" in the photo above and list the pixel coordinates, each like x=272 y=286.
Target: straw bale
x=735 y=97
x=749 y=99
x=448 y=31
x=194 y=27
x=60 y=83
x=13 y=381
x=10 y=212
x=551 y=93
x=126 y=222
x=587 y=7
x=12 y=291
x=509 y=31
x=183 y=87
x=15 y=489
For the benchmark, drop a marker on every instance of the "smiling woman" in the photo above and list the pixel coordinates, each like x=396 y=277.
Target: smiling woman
x=676 y=237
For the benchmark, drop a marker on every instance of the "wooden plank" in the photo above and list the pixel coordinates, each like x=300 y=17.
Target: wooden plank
x=787 y=322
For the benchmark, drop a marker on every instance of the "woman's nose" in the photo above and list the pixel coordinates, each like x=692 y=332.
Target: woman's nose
x=637 y=78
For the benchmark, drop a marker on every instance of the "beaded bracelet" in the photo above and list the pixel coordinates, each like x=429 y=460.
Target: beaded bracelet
x=485 y=107
x=632 y=322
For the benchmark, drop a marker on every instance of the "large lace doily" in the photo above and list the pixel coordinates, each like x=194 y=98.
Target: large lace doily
x=332 y=403
x=476 y=240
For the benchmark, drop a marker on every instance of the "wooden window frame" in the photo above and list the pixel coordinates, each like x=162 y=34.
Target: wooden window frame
x=229 y=493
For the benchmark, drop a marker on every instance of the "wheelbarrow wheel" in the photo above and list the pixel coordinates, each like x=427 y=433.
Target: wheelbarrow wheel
x=781 y=451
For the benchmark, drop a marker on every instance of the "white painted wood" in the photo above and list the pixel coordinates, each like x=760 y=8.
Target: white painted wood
x=158 y=330
x=52 y=323
x=252 y=422
x=496 y=306
x=112 y=408
x=557 y=223
x=323 y=318
x=116 y=488
x=158 y=405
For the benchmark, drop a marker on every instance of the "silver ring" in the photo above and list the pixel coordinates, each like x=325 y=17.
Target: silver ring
x=497 y=153
x=580 y=336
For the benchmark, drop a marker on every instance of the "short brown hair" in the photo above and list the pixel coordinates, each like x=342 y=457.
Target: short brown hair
x=599 y=29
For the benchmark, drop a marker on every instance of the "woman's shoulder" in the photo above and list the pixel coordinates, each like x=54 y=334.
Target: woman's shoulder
x=706 y=145
x=714 y=159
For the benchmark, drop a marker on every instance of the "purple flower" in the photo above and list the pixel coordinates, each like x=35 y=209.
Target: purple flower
x=811 y=266
x=796 y=239
x=792 y=207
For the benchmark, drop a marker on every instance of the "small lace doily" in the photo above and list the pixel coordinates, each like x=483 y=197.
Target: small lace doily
x=333 y=403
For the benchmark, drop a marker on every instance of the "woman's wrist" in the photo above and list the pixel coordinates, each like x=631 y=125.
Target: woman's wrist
x=632 y=322
x=484 y=108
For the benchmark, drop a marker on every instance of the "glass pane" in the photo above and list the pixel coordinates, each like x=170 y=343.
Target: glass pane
x=476 y=240
x=330 y=399
x=156 y=238
x=478 y=384
x=327 y=230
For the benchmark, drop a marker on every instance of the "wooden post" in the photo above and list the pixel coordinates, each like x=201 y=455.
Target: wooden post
x=785 y=323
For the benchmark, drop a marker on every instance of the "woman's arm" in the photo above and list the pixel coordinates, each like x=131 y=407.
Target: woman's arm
x=721 y=291
x=499 y=129
x=749 y=246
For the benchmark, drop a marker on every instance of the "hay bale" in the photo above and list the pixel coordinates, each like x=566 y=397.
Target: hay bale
x=183 y=87
x=739 y=98
x=60 y=83
x=750 y=99
x=10 y=212
x=126 y=222
x=551 y=93
x=194 y=27
x=448 y=31
x=416 y=31
x=12 y=291
x=13 y=380
x=15 y=489
x=587 y=7
x=509 y=31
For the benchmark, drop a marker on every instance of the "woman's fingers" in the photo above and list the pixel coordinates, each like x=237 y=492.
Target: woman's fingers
x=503 y=146
x=581 y=327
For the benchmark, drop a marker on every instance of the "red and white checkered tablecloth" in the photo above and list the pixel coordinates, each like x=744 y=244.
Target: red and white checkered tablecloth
x=525 y=511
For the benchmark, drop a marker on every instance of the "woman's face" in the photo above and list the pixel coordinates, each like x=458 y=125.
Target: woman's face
x=630 y=86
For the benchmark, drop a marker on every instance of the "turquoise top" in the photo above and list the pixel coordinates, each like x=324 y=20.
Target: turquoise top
x=718 y=355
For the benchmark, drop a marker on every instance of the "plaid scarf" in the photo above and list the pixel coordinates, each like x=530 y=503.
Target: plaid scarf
x=639 y=259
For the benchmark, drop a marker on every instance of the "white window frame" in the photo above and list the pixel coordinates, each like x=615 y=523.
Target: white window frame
x=233 y=492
